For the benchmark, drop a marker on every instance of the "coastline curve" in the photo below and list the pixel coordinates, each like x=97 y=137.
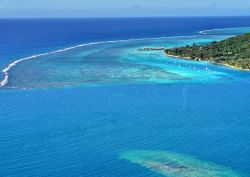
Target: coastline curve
x=6 y=70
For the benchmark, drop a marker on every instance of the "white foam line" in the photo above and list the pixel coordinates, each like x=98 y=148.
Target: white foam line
x=220 y=29
x=6 y=70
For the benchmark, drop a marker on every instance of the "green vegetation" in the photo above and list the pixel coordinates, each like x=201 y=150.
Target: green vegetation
x=234 y=52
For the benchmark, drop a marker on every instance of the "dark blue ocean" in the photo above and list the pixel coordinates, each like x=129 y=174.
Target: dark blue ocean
x=81 y=130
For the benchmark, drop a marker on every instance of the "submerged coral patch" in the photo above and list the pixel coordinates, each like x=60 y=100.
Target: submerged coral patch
x=177 y=165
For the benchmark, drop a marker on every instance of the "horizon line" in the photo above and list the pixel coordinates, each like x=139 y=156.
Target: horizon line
x=99 y=17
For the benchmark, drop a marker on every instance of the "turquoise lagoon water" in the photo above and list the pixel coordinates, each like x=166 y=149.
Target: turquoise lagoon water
x=75 y=112
x=114 y=62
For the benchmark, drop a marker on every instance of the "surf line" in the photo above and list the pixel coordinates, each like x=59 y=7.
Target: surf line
x=205 y=32
x=6 y=70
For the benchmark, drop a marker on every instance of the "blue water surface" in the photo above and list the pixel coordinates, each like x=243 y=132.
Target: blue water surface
x=81 y=130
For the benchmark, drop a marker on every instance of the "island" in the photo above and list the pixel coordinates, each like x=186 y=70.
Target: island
x=233 y=52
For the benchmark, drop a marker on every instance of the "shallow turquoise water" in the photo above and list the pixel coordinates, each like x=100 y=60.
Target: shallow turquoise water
x=115 y=62
x=173 y=164
x=81 y=130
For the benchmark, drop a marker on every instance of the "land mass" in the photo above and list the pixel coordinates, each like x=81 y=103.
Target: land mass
x=234 y=52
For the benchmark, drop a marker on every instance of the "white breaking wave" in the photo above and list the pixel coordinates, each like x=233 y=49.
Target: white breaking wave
x=6 y=70
x=221 y=29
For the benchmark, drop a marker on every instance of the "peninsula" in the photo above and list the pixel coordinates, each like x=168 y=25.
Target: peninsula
x=233 y=52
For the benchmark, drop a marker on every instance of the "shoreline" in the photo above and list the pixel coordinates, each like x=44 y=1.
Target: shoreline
x=7 y=68
x=198 y=59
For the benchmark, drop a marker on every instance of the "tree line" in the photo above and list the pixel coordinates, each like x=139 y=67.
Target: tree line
x=234 y=51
